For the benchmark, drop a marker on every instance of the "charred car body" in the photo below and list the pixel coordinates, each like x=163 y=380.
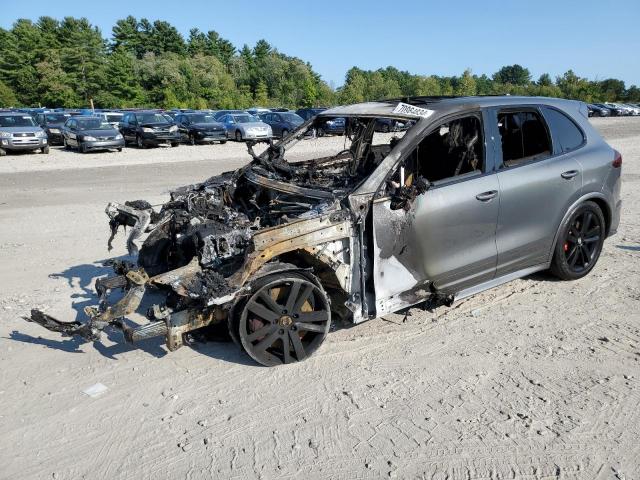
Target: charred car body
x=481 y=190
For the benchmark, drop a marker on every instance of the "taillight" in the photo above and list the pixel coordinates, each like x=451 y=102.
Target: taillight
x=617 y=159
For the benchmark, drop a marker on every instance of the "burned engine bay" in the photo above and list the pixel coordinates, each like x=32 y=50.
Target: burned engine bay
x=211 y=241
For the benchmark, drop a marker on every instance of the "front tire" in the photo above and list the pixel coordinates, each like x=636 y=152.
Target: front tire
x=174 y=144
x=284 y=320
x=45 y=150
x=139 y=141
x=3 y=152
x=238 y=136
x=579 y=242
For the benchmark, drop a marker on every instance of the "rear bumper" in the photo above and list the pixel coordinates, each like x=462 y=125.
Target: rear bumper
x=615 y=218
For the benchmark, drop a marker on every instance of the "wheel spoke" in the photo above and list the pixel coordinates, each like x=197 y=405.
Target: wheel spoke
x=320 y=316
x=297 y=346
x=586 y=221
x=571 y=238
x=573 y=256
x=262 y=312
x=311 y=327
x=593 y=231
x=261 y=332
x=586 y=255
x=592 y=239
x=293 y=295
x=302 y=298
x=267 y=342
x=270 y=303
x=286 y=348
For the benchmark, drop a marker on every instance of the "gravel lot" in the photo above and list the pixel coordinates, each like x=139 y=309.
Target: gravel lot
x=536 y=379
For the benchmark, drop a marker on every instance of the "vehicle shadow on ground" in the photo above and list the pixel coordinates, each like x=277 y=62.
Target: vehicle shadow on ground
x=83 y=277
x=216 y=343
x=629 y=247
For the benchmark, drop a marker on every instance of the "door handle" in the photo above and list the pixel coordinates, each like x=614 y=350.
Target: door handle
x=569 y=174
x=486 y=196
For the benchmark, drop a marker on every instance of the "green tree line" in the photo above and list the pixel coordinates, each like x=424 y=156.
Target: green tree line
x=68 y=63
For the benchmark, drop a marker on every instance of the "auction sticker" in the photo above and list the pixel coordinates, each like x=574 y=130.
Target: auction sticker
x=406 y=109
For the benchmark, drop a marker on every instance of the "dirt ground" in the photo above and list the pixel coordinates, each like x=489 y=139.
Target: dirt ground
x=537 y=379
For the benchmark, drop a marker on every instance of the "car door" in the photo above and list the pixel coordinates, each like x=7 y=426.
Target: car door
x=182 y=121
x=72 y=134
x=125 y=127
x=537 y=183
x=445 y=236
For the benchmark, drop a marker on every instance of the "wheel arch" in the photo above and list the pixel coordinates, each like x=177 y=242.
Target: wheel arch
x=596 y=197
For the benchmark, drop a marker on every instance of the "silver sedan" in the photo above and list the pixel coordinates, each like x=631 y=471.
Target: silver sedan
x=244 y=126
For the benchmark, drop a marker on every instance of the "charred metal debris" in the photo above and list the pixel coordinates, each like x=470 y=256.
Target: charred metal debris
x=214 y=245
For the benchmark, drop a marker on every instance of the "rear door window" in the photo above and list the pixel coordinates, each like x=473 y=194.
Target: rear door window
x=524 y=137
x=565 y=132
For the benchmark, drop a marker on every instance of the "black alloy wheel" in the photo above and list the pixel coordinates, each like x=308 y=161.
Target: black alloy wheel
x=580 y=242
x=285 y=319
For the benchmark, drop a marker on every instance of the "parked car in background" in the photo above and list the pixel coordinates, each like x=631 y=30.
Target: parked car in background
x=386 y=125
x=635 y=110
x=613 y=110
x=221 y=113
x=620 y=109
x=86 y=134
x=149 y=128
x=200 y=128
x=244 y=126
x=52 y=124
x=18 y=131
x=598 y=111
x=333 y=126
x=307 y=113
x=279 y=109
x=112 y=118
x=257 y=110
x=282 y=123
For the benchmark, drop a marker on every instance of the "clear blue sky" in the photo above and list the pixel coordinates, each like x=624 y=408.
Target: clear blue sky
x=596 y=38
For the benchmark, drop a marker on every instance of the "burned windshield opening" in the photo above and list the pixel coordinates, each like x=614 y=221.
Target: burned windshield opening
x=332 y=153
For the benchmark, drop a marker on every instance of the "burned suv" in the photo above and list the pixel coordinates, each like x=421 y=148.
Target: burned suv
x=479 y=191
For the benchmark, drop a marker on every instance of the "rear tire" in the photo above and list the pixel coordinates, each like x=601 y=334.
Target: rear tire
x=579 y=242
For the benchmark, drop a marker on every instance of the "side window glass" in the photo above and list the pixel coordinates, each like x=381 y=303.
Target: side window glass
x=565 y=131
x=524 y=137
